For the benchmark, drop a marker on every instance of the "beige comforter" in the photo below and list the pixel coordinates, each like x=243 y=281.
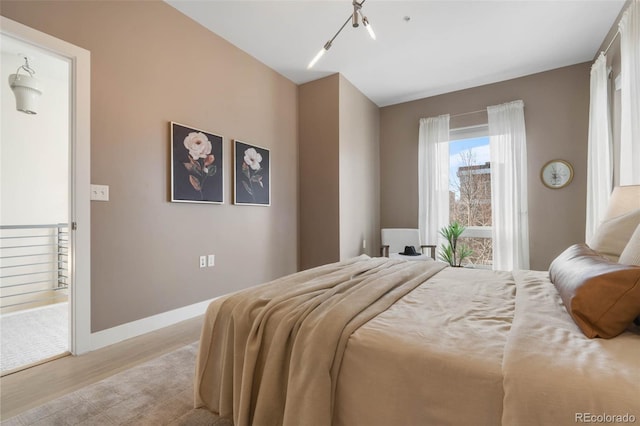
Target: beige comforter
x=433 y=358
x=379 y=342
x=271 y=355
x=555 y=375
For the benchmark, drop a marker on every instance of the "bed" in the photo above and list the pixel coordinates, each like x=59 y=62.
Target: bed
x=376 y=341
x=379 y=341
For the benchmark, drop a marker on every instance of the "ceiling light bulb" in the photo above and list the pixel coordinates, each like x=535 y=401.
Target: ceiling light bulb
x=369 y=28
x=319 y=55
x=316 y=58
x=353 y=17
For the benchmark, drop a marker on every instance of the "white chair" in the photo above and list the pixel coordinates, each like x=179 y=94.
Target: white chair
x=394 y=241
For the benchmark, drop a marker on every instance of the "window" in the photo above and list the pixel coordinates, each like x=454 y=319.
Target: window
x=470 y=190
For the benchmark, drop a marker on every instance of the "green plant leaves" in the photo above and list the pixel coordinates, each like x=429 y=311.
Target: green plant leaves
x=464 y=251
x=451 y=252
x=446 y=254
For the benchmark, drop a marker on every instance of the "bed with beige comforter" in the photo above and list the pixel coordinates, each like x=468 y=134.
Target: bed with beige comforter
x=376 y=341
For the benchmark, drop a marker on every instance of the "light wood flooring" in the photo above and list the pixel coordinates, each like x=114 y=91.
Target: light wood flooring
x=34 y=386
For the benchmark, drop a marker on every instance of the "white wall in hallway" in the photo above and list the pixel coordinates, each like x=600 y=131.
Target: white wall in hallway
x=34 y=149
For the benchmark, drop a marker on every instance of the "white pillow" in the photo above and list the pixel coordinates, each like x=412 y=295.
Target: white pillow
x=613 y=234
x=631 y=253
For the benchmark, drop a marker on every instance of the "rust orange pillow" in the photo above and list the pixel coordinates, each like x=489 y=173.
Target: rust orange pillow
x=602 y=297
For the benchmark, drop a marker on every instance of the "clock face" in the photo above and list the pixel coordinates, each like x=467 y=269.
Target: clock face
x=557 y=174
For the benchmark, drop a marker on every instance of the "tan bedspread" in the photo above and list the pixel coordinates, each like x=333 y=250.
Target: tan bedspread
x=433 y=358
x=555 y=375
x=271 y=355
x=389 y=342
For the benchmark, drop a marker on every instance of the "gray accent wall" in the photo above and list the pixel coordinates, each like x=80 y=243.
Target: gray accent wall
x=556 y=107
x=339 y=172
x=359 y=173
x=319 y=140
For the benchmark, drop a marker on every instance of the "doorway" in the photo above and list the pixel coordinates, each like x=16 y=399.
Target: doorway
x=44 y=197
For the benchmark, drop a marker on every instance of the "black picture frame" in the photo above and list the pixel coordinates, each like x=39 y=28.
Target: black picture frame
x=252 y=174
x=196 y=165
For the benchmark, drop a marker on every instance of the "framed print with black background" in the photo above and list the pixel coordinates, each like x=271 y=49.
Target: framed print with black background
x=252 y=174
x=196 y=166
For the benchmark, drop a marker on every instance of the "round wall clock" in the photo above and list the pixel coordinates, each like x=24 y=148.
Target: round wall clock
x=556 y=174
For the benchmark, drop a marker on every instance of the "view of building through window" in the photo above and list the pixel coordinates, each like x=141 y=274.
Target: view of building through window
x=470 y=195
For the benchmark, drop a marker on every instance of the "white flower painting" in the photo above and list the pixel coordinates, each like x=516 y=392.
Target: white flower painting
x=251 y=175
x=198 y=145
x=196 y=164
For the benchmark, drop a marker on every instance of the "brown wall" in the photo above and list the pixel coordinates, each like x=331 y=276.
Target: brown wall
x=339 y=171
x=151 y=65
x=359 y=172
x=556 y=116
x=318 y=106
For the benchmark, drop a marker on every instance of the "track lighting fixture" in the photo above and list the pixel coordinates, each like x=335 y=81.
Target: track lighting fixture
x=354 y=18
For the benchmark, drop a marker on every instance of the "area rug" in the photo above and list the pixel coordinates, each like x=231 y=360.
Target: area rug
x=158 y=392
x=33 y=335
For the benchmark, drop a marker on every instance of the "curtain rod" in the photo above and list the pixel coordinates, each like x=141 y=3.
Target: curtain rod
x=611 y=42
x=468 y=113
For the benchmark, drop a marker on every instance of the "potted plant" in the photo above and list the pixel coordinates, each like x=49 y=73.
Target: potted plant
x=452 y=252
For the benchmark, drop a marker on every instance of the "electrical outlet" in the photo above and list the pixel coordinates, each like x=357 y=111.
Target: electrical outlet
x=99 y=192
x=211 y=260
x=203 y=261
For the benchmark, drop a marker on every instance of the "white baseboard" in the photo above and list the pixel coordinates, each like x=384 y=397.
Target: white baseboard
x=126 y=331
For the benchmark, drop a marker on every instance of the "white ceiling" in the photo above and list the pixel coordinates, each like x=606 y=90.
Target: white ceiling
x=445 y=46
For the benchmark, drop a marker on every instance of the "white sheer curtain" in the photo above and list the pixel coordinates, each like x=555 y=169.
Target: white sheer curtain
x=630 y=95
x=433 y=177
x=509 y=207
x=599 y=156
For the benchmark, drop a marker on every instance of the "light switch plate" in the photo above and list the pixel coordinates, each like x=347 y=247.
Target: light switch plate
x=99 y=192
x=211 y=260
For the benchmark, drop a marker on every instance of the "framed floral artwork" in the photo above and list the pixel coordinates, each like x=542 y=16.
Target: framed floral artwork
x=252 y=175
x=196 y=166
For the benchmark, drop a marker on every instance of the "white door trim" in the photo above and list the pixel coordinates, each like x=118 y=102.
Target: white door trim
x=79 y=178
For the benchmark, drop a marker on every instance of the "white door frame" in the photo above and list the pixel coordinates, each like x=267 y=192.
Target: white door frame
x=79 y=174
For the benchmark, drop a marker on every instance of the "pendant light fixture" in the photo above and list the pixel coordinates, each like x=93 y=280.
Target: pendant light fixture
x=355 y=22
x=26 y=88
